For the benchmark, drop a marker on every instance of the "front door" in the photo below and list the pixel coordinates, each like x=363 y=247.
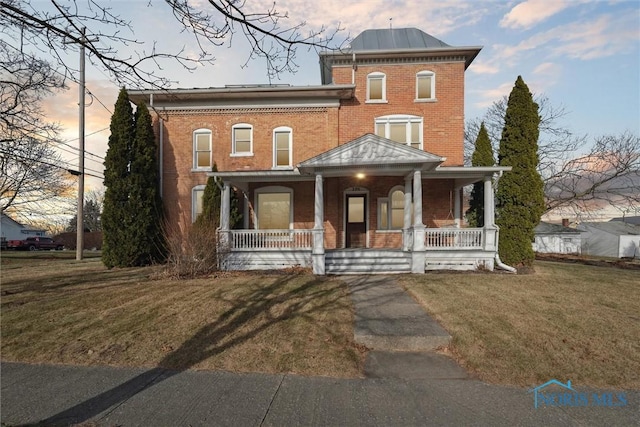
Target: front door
x=356 y=225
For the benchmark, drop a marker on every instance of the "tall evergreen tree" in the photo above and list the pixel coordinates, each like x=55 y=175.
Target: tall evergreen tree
x=520 y=195
x=211 y=204
x=145 y=205
x=482 y=156
x=115 y=215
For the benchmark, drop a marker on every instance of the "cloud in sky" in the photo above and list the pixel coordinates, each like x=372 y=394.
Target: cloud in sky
x=531 y=12
x=586 y=39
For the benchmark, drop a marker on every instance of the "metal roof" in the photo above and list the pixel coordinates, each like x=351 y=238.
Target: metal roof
x=549 y=228
x=615 y=228
x=400 y=38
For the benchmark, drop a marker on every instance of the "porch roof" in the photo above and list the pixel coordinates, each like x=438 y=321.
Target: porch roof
x=373 y=155
x=370 y=155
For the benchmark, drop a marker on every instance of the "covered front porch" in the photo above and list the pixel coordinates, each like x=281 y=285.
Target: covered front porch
x=369 y=206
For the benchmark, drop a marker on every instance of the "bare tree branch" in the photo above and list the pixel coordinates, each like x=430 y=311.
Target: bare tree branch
x=580 y=174
x=56 y=30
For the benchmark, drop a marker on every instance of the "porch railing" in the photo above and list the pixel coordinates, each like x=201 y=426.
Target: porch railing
x=454 y=238
x=248 y=240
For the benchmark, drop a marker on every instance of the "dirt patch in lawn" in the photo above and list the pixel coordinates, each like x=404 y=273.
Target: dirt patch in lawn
x=63 y=311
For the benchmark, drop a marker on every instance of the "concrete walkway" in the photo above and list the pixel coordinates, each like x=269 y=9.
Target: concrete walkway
x=388 y=319
x=411 y=387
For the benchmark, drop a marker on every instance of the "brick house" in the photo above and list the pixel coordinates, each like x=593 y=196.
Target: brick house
x=362 y=173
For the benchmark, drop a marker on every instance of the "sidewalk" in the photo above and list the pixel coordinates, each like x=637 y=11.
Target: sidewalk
x=413 y=387
x=63 y=395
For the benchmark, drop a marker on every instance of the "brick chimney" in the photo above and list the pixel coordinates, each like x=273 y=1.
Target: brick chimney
x=565 y=222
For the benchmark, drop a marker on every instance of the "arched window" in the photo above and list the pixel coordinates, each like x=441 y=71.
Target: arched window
x=425 y=86
x=376 y=87
x=391 y=210
x=282 y=144
x=401 y=128
x=273 y=208
x=202 y=152
x=242 y=140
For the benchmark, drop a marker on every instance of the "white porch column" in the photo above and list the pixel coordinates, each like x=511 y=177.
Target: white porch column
x=419 y=249
x=489 y=212
x=490 y=229
x=417 y=199
x=317 y=254
x=225 y=209
x=406 y=227
x=457 y=214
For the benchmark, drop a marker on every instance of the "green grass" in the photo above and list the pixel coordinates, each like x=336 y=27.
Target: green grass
x=64 y=311
x=566 y=321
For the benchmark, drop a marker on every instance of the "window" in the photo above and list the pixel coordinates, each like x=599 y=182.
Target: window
x=383 y=214
x=274 y=208
x=391 y=210
x=196 y=201
x=401 y=128
x=376 y=87
x=282 y=147
x=202 y=149
x=242 y=135
x=425 y=86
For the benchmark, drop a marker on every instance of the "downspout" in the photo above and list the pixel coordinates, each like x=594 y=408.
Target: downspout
x=498 y=262
x=354 y=67
x=160 y=148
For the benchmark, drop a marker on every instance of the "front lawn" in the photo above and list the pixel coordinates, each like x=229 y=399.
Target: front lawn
x=57 y=310
x=566 y=321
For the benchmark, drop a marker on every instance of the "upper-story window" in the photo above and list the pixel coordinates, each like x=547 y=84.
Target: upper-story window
x=242 y=144
x=202 y=149
x=425 y=86
x=282 y=142
x=401 y=128
x=376 y=87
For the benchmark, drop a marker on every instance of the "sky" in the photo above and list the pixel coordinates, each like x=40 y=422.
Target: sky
x=583 y=55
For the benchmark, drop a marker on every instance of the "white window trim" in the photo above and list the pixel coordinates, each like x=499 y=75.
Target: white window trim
x=235 y=153
x=195 y=167
x=272 y=189
x=275 y=154
x=390 y=208
x=400 y=118
x=377 y=75
x=194 y=205
x=433 y=86
x=381 y=201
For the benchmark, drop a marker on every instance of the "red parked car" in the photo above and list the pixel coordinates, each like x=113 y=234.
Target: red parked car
x=39 y=243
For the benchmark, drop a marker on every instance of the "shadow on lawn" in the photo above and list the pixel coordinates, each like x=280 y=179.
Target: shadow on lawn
x=212 y=339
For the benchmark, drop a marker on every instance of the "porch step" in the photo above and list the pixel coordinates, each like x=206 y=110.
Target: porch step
x=367 y=261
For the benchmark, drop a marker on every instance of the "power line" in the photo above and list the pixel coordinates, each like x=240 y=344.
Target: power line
x=66 y=168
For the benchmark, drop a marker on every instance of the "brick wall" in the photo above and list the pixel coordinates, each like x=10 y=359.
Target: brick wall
x=316 y=130
x=443 y=119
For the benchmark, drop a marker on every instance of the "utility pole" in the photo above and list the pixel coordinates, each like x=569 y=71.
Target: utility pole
x=80 y=220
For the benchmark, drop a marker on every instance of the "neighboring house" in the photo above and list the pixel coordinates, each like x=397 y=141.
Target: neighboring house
x=635 y=220
x=556 y=239
x=362 y=173
x=13 y=230
x=611 y=239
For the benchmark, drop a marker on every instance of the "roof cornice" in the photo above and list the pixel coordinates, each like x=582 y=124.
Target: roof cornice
x=173 y=96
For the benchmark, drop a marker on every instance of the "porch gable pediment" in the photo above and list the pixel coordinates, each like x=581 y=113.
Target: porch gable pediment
x=371 y=151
